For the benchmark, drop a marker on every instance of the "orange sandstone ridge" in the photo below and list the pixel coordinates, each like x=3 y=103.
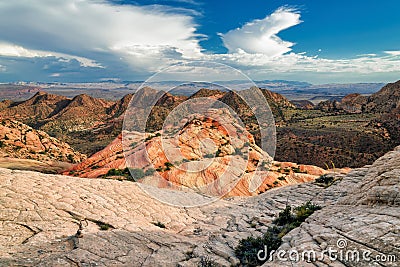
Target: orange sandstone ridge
x=203 y=155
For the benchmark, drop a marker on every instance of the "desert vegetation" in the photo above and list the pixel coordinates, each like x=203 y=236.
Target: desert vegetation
x=287 y=220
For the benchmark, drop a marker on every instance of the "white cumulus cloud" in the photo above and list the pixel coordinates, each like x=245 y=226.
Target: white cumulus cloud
x=260 y=36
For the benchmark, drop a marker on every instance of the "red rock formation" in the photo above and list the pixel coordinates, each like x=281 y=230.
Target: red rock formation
x=213 y=158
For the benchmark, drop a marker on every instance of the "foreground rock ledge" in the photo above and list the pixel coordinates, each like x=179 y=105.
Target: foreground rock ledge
x=50 y=220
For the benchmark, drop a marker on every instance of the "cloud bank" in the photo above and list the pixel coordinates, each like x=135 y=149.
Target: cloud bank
x=96 y=31
x=87 y=40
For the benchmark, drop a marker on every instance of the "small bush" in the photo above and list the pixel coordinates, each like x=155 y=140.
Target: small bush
x=248 y=248
x=117 y=172
x=238 y=151
x=149 y=138
x=304 y=211
x=209 y=156
x=159 y=169
x=70 y=158
x=149 y=172
x=136 y=174
x=284 y=217
x=168 y=166
x=325 y=180
x=282 y=178
x=134 y=144
x=103 y=226
x=286 y=221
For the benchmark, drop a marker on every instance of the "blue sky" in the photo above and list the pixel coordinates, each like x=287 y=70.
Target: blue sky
x=93 y=40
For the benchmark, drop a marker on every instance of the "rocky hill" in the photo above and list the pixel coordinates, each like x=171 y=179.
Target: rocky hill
x=303 y=104
x=21 y=142
x=67 y=221
x=344 y=134
x=352 y=132
x=383 y=101
x=37 y=108
x=71 y=120
x=204 y=145
x=84 y=118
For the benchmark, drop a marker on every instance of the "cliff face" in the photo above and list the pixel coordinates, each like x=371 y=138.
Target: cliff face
x=72 y=221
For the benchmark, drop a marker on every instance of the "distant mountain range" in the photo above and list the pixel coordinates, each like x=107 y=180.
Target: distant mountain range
x=110 y=90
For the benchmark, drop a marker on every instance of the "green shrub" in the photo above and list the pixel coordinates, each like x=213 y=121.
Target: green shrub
x=282 y=178
x=284 y=217
x=103 y=226
x=136 y=174
x=325 y=179
x=116 y=172
x=209 y=156
x=168 y=165
x=149 y=172
x=159 y=169
x=238 y=151
x=149 y=138
x=125 y=173
x=248 y=248
x=70 y=158
x=286 y=221
x=304 y=211
x=134 y=144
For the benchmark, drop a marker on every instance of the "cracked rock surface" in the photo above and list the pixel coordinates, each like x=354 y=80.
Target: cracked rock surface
x=53 y=220
x=364 y=218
